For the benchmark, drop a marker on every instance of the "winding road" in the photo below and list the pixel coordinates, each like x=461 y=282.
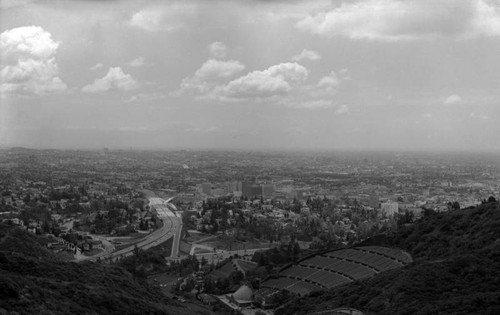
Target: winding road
x=172 y=226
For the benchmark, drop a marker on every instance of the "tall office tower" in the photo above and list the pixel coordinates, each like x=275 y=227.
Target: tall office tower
x=267 y=190
x=246 y=188
x=234 y=186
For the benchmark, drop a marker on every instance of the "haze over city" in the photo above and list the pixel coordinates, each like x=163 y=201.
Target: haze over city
x=315 y=75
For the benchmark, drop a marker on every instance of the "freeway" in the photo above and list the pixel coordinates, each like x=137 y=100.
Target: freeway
x=172 y=225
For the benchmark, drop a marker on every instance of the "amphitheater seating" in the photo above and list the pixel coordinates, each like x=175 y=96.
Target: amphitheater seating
x=391 y=252
x=319 y=261
x=328 y=279
x=298 y=271
x=337 y=268
x=346 y=253
x=280 y=283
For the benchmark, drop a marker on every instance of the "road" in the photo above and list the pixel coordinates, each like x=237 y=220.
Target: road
x=172 y=225
x=166 y=211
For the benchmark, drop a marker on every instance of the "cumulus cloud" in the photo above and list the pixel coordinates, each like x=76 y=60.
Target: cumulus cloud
x=329 y=83
x=217 y=49
x=210 y=74
x=28 y=62
x=393 y=20
x=453 y=99
x=166 y=17
x=115 y=79
x=276 y=80
x=306 y=55
x=213 y=69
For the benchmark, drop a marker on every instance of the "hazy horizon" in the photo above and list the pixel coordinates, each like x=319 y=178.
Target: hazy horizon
x=316 y=75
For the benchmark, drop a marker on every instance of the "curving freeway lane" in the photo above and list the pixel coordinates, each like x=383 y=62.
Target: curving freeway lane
x=172 y=225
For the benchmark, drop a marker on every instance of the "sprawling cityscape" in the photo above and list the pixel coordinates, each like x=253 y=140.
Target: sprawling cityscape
x=319 y=157
x=235 y=229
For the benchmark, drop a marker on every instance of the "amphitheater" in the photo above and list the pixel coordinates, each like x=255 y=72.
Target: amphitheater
x=335 y=268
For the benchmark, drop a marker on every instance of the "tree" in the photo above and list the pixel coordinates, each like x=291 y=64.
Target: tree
x=236 y=277
x=296 y=249
x=407 y=217
x=204 y=261
x=27 y=199
x=45 y=226
x=137 y=251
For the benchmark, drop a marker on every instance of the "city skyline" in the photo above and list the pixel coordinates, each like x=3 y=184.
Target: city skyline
x=256 y=75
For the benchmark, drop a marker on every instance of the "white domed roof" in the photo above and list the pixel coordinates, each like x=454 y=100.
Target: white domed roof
x=244 y=293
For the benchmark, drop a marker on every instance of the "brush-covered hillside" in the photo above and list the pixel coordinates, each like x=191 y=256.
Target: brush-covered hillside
x=34 y=281
x=456 y=270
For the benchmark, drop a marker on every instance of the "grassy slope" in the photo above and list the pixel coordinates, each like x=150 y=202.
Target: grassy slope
x=33 y=281
x=456 y=270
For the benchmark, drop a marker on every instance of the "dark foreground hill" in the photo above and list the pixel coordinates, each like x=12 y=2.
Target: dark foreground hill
x=456 y=270
x=34 y=281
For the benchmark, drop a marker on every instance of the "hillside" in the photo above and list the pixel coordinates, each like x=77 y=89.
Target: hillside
x=446 y=235
x=34 y=281
x=456 y=270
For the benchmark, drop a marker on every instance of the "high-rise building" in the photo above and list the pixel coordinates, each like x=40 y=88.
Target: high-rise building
x=267 y=190
x=246 y=188
x=234 y=186
x=250 y=189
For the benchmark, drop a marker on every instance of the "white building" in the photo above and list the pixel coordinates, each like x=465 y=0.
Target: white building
x=389 y=208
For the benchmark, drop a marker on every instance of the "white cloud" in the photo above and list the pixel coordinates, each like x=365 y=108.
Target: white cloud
x=213 y=69
x=217 y=49
x=210 y=74
x=277 y=11
x=115 y=79
x=97 y=66
x=306 y=55
x=284 y=84
x=392 y=20
x=329 y=83
x=28 y=62
x=453 y=99
x=163 y=18
x=486 y=21
x=138 y=62
x=276 y=80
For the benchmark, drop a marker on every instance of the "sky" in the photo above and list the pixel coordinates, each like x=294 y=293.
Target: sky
x=255 y=75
